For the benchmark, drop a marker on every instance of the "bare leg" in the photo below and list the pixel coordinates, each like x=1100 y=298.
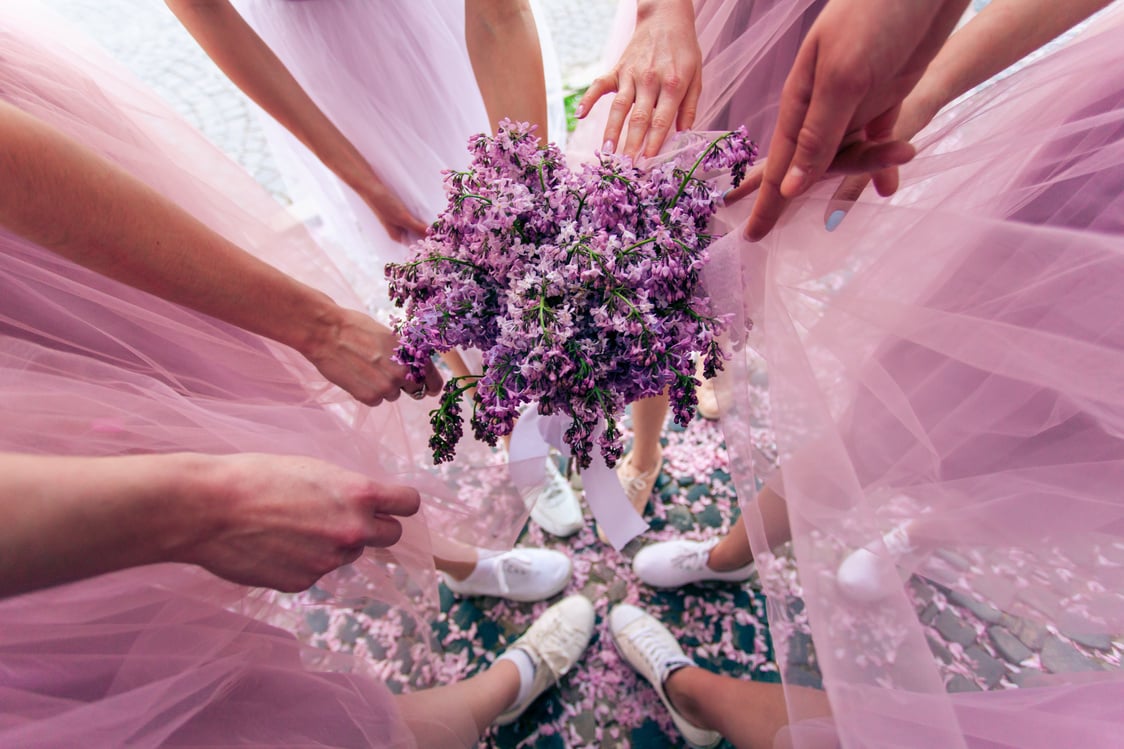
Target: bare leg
x=456 y=363
x=503 y=44
x=431 y=713
x=648 y=416
x=747 y=713
x=733 y=550
x=458 y=569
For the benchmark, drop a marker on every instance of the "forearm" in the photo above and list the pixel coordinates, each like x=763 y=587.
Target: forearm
x=497 y=32
x=66 y=518
x=71 y=201
x=1000 y=35
x=242 y=55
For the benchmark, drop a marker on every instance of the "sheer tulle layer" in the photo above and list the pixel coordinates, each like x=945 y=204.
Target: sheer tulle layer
x=89 y=367
x=949 y=360
x=396 y=79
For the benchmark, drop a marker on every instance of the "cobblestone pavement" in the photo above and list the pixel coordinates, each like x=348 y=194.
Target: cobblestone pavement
x=601 y=703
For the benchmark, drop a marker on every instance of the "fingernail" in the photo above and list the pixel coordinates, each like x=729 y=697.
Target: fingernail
x=835 y=219
x=726 y=195
x=793 y=181
x=580 y=111
x=608 y=147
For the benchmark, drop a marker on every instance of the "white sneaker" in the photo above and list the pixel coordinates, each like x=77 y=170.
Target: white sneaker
x=673 y=564
x=554 y=643
x=517 y=575
x=871 y=573
x=556 y=508
x=654 y=652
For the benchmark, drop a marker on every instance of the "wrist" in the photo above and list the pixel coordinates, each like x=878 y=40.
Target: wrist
x=199 y=503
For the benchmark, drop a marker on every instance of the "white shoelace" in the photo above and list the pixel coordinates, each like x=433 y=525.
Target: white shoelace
x=694 y=559
x=658 y=653
x=516 y=563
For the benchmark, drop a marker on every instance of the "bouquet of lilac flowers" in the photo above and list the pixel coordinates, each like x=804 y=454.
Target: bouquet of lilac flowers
x=580 y=286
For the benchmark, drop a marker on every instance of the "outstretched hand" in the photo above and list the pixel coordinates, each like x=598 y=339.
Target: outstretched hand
x=287 y=521
x=400 y=224
x=859 y=61
x=356 y=353
x=658 y=79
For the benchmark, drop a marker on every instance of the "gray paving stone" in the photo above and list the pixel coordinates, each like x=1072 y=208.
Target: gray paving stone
x=922 y=591
x=962 y=684
x=1090 y=640
x=983 y=611
x=680 y=518
x=939 y=650
x=1008 y=646
x=954 y=629
x=928 y=614
x=1031 y=634
x=1060 y=657
x=989 y=670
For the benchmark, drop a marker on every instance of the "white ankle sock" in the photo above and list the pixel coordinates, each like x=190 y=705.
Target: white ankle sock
x=526 y=667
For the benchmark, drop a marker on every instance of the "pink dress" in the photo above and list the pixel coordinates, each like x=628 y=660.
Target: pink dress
x=397 y=81
x=168 y=654
x=950 y=358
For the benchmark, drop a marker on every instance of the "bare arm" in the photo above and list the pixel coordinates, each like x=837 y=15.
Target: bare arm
x=999 y=36
x=503 y=44
x=252 y=66
x=71 y=201
x=271 y=521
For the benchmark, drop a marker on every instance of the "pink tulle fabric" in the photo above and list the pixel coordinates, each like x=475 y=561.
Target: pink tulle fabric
x=170 y=655
x=949 y=359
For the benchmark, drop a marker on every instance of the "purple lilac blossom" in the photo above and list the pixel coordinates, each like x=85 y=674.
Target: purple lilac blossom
x=581 y=286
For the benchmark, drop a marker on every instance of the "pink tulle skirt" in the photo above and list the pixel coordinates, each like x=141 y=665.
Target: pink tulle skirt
x=948 y=360
x=168 y=654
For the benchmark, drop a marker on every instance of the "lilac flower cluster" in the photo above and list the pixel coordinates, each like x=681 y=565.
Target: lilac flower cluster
x=581 y=286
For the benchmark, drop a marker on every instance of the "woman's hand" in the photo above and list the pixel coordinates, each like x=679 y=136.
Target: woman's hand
x=858 y=63
x=400 y=224
x=355 y=352
x=283 y=522
x=658 y=78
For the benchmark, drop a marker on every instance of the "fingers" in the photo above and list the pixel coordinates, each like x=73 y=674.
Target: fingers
x=818 y=137
x=602 y=85
x=433 y=379
x=749 y=185
x=619 y=109
x=640 y=121
x=689 y=107
x=384 y=532
x=843 y=199
x=671 y=95
x=415 y=225
x=869 y=157
x=391 y=499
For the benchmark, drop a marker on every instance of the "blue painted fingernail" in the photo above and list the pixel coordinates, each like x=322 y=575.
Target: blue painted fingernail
x=835 y=219
x=726 y=195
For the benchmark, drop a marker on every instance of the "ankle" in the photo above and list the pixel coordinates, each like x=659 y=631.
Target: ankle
x=645 y=462
x=721 y=560
x=681 y=689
